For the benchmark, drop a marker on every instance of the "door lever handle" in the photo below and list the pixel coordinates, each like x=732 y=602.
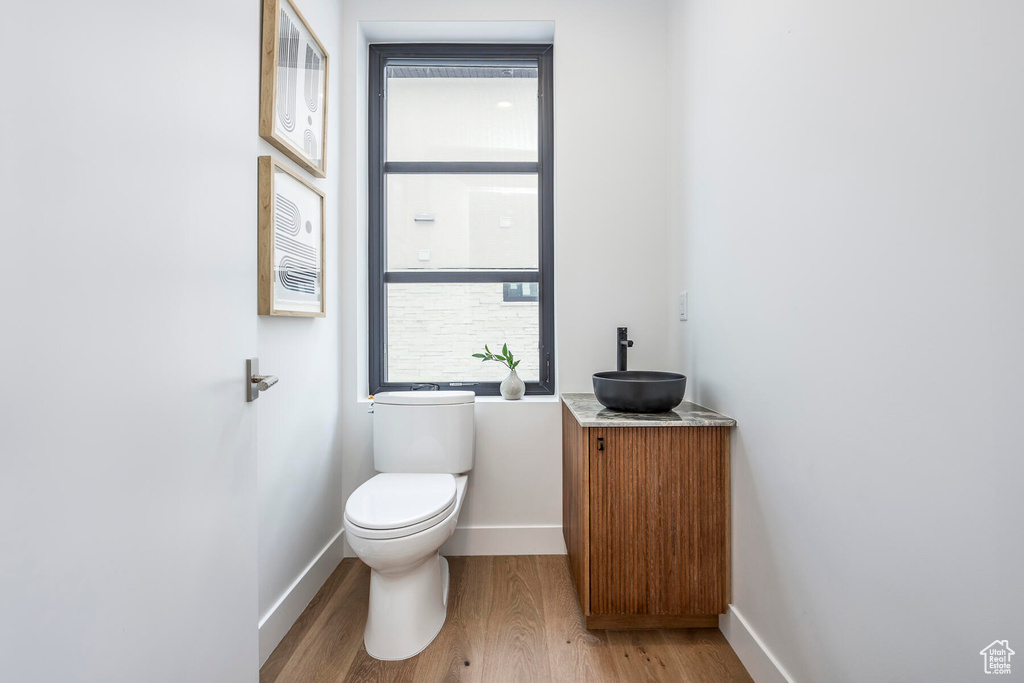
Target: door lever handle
x=256 y=382
x=264 y=382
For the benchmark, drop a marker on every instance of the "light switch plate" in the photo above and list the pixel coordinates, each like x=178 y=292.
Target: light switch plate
x=424 y=254
x=683 y=308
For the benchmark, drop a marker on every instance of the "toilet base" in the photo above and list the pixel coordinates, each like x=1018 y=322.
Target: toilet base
x=406 y=610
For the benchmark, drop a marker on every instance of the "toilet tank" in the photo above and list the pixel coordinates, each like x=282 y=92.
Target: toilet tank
x=423 y=431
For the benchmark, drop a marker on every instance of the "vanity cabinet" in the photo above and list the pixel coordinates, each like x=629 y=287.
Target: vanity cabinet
x=646 y=517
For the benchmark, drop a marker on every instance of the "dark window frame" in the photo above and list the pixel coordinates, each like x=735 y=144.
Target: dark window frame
x=379 y=277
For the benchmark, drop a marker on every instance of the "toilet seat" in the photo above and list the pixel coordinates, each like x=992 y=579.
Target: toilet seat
x=394 y=505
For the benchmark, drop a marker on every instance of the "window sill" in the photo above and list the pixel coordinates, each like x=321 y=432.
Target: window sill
x=497 y=399
x=525 y=399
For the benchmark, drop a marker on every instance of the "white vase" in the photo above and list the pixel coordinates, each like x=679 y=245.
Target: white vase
x=512 y=388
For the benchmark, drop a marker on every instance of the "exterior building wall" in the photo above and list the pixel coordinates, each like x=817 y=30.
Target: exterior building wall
x=434 y=330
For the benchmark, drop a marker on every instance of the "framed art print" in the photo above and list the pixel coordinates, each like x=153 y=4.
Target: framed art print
x=293 y=87
x=291 y=243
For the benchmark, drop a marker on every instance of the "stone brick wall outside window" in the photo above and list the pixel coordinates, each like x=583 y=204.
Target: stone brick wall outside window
x=434 y=329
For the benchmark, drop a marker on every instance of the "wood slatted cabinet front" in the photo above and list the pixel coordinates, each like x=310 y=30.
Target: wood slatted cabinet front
x=646 y=523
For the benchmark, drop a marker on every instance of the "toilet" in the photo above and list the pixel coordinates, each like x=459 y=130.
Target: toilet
x=397 y=521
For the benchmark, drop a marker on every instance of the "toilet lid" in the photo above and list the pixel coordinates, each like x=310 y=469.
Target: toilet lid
x=391 y=501
x=425 y=398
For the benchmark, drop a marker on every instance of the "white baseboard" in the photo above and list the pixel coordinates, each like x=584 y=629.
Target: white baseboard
x=758 y=659
x=276 y=622
x=505 y=540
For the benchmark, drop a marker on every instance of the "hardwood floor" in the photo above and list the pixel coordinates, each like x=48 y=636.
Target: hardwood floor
x=511 y=618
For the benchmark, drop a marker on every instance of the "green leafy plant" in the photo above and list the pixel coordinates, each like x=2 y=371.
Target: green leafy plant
x=505 y=357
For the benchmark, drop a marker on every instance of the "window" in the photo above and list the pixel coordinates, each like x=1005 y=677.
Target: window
x=461 y=212
x=520 y=291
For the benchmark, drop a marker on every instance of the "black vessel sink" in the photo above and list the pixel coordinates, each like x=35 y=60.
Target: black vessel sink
x=639 y=391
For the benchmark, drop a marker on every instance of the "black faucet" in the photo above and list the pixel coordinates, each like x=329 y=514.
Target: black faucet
x=620 y=348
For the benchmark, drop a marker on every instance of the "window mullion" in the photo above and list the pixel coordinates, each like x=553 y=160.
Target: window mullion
x=460 y=167
x=460 y=276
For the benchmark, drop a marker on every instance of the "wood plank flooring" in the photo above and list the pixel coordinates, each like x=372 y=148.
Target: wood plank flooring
x=512 y=618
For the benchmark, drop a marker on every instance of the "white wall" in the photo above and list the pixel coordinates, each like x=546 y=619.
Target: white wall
x=611 y=120
x=127 y=451
x=847 y=215
x=299 y=440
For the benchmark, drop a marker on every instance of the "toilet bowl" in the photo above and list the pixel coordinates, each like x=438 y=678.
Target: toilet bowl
x=408 y=576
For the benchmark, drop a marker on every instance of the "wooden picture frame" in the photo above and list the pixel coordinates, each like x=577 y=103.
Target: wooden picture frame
x=292 y=239
x=293 y=87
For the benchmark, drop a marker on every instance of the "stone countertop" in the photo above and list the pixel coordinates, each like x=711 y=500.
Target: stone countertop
x=590 y=413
